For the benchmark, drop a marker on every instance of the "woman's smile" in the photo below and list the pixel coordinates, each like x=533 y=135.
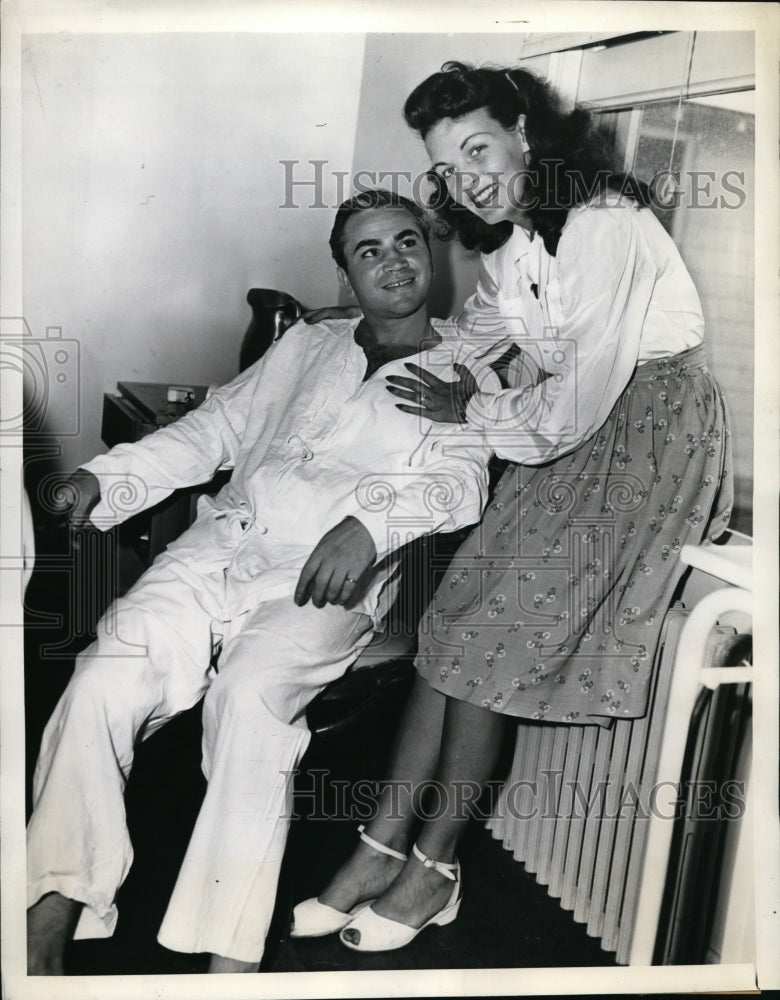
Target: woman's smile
x=485 y=196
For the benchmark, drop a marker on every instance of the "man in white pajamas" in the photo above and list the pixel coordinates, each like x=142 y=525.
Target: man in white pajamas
x=286 y=570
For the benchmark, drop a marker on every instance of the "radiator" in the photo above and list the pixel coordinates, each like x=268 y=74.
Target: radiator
x=574 y=808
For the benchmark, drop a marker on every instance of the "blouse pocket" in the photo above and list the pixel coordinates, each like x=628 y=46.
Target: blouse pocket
x=521 y=315
x=553 y=308
x=525 y=323
x=558 y=354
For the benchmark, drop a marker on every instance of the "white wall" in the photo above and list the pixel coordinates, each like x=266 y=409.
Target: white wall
x=151 y=194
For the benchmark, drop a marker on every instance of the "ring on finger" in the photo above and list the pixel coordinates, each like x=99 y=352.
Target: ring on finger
x=351 y=580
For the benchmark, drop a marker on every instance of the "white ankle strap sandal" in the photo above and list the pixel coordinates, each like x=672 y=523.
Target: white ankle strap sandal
x=311 y=918
x=447 y=870
x=382 y=848
x=377 y=933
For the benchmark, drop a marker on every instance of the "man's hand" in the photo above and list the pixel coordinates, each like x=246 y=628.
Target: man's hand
x=76 y=497
x=335 y=566
x=332 y=312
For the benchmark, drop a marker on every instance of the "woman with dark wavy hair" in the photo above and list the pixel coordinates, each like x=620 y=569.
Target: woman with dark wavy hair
x=616 y=442
x=563 y=162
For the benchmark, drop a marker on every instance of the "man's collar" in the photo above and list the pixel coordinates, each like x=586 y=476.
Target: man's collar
x=378 y=355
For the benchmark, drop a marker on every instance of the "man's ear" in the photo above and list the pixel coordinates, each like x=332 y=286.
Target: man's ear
x=344 y=281
x=520 y=123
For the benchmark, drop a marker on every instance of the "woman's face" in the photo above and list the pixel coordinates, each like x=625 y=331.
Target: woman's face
x=482 y=164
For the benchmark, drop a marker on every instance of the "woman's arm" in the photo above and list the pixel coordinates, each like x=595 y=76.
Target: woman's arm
x=312 y=316
x=606 y=275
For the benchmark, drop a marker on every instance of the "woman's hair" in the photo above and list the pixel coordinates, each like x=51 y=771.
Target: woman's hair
x=570 y=162
x=362 y=202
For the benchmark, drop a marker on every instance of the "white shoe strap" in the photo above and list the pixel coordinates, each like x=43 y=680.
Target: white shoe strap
x=382 y=848
x=442 y=867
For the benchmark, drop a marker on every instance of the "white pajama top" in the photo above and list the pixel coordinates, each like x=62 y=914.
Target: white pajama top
x=310 y=443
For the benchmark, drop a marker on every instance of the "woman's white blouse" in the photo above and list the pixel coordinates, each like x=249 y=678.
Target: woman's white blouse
x=616 y=294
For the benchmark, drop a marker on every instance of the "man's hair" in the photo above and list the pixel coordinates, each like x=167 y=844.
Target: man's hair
x=365 y=201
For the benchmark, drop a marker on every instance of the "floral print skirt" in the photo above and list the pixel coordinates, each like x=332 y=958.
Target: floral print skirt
x=552 y=608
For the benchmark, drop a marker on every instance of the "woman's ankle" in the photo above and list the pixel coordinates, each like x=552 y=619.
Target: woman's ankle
x=391 y=835
x=439 y=848
x=364 y=876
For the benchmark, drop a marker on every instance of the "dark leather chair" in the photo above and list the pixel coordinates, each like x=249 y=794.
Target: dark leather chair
x=382 y=674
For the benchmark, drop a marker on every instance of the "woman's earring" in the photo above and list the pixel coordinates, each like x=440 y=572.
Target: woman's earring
x=526 y=148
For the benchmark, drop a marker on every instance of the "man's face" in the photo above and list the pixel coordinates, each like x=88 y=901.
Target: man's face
x=388 y=263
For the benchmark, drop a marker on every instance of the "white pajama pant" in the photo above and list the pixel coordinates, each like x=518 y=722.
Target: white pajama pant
x=150 y=662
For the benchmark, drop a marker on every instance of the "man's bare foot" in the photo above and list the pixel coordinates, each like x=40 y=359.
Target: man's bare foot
x=219 y=963
x=50 y=924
